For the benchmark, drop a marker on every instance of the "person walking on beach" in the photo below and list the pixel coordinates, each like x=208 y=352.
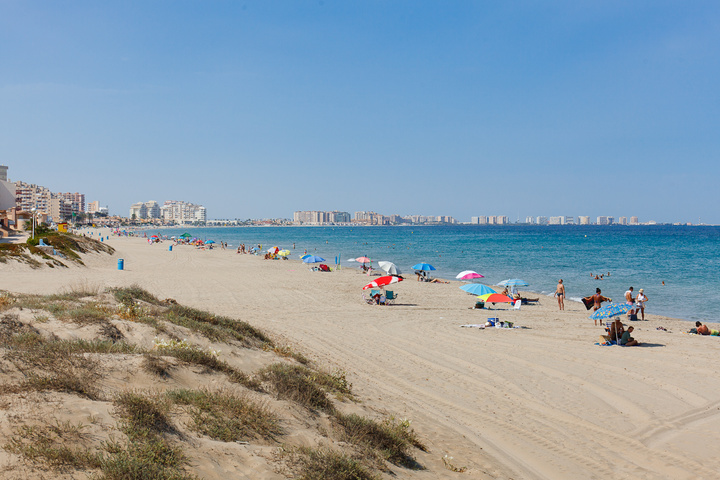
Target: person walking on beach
x=640 y=303
x=560 y=294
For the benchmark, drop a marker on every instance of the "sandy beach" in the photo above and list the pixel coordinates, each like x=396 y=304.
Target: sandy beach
x=539 y=402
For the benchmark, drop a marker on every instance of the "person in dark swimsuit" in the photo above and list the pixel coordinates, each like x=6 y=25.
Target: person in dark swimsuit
x=560 y=294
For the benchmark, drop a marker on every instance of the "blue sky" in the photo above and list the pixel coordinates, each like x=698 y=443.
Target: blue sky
x=256 y=109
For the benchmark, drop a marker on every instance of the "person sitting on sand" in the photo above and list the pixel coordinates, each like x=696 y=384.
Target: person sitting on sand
x=616 y=330
x=437 y=280
x=505 y=292
x=627 y=340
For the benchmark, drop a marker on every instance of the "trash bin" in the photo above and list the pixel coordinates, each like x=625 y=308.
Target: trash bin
x=170 y=248
x=121 y=264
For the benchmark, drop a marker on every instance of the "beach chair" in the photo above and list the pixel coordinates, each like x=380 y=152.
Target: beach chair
x=390 y=296
x=368 y=300
x=518 y=304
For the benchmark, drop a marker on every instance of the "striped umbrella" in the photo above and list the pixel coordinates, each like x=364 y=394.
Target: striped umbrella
x=382 y=281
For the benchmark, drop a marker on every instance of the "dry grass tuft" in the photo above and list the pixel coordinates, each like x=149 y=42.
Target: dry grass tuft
x=391 y=439
x=227 y=416
x=298 y=384
x=58 y=445
x=323 y=464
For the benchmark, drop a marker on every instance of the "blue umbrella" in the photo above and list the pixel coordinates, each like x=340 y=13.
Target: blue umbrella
x=209 y=241
x=515 y=282
x=313 y=259
x=611 y=310
x=425 y=267
x=477 y=289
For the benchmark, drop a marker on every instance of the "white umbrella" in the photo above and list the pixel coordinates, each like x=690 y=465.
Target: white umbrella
x=468 y=275
x=389 y=267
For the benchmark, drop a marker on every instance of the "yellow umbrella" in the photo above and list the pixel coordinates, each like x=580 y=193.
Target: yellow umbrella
x=284 y=253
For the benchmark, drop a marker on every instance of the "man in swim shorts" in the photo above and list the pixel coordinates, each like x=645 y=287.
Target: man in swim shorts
x=630 y=300
x=560 y=294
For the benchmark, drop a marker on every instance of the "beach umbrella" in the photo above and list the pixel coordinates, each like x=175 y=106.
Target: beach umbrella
x=382 y=281
x=514 y=282
x=186 y=235
x=303 y=257
x=273 y=250
x=154 y=236
x=210 y=241
x=610 y=310
x=468 y=275
x=477 y=289
x=389 y=267
x=425 y=267
x=313 y=259
x=363 y=260
x=495 y=298
x=284 y=253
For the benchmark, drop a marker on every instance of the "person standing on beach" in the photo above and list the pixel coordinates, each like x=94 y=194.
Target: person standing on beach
x=640 y=303
x=597 y=300
x=630 y=300
x=560 y=294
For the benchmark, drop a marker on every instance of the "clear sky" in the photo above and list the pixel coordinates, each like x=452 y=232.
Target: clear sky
x=259 y=108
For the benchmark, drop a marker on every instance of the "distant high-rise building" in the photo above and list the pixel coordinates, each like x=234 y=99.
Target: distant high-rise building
x=530 y=220
x=633 y=220
x=603 y=221
x=556 y=221
x=542 y=220
x=3 y=173
x=622 y=220
x=584 y=220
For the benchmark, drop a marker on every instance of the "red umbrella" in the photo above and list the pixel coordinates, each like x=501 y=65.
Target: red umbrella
x=495 y=298
x=382 y=281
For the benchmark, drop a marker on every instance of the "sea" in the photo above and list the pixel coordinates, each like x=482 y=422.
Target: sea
x=677 y=266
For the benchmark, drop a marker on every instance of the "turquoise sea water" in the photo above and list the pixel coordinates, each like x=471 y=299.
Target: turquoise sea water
x=685 y=258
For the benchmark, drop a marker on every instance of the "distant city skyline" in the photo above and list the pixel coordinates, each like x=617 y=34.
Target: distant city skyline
x=257 y=109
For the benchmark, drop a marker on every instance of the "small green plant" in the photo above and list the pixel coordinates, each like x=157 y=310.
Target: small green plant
x=448 y=462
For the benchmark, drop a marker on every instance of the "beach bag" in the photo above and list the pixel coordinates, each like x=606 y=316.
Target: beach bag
x=632 y=318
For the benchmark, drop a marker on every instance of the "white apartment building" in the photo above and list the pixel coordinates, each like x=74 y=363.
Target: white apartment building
x=622 y=220
x=556 y=221
x=183 y=212
x=584 y=220
x=634 y=220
